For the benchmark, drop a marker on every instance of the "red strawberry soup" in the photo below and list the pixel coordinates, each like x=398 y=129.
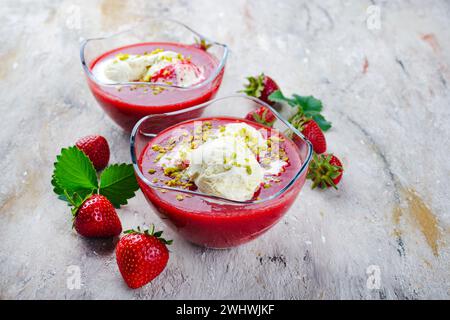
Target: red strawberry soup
x=185 y=70
x=229 y=158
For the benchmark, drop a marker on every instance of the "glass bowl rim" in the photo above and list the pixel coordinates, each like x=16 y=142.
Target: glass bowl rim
x=138 y=172
x=201 y=84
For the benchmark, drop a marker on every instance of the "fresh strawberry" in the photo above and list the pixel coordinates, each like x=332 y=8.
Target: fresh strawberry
x=141 y=256
x=314 y=134
x=261 y=115
x=96 y=148
x=97 y=218
x=166 y=73
x=261 y=87
x=325 y=170
x=311 y=130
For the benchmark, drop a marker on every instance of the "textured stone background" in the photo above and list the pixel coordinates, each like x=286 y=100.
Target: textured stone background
x=385 y=90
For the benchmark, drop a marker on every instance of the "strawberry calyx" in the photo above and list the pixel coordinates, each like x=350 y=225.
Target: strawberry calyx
x=264 y=116
x=255 y=86
x=149 y=232
x=299 y=120
x=76 y=201
x=322 y=172
x=202 y=44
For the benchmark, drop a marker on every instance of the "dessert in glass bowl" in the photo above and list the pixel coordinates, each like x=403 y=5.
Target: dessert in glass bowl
x=159 y=66
x=220 y=180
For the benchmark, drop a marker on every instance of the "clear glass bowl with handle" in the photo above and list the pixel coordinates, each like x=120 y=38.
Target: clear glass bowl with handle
x=209 y=220
x=127 y=102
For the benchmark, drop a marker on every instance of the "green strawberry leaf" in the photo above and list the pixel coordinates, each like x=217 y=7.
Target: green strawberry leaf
x=322 y=122
x=307 y=107
x=56 y=187
x=308 y=103
x=118 y=183
x=278 y=96
x=73 y=173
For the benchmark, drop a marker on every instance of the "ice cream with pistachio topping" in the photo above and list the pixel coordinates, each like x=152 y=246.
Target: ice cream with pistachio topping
x=226 y=167
x=162 y=66
x=225 y=164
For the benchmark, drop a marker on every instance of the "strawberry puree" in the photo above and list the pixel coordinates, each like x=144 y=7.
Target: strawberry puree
x=127 y=104
x=212 y=223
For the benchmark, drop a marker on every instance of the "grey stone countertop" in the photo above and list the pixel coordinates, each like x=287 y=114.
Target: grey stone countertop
x=385 y=86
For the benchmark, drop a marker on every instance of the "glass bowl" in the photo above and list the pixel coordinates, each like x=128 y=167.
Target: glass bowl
x=208 y=220
x=127 y=102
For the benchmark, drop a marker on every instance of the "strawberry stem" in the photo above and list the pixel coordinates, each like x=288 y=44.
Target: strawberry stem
x=322 y=172
x=255 y=86
x=150 y=232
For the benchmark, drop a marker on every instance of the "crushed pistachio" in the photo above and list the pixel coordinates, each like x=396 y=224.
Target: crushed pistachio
x=158 y=157
x=169 y=171
x=158 y=148
x=180 y=197
x=171 y=183
x=248 y=169
x=157 y=90
x=151 y=171
x=158 y=50
x=155 y=180
x=266 y=185
x=198 y=129
x=122 y=56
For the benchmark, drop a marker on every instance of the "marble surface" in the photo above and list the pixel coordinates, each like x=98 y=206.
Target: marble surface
x=385 y=86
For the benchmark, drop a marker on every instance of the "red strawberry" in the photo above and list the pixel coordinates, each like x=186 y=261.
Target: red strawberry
x=261 y=115
x=165 y=73
x=314 y=134
x=325 y=170
x=96 y=148
x=97 y=218
x=261 y=87
x=141 y=256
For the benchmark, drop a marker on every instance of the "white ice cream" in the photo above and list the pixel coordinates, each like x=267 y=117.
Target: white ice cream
x=226 y=167
x=128 y=68
x=225 y=164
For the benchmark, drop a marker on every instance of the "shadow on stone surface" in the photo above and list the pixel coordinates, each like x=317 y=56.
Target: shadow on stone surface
x=101 y=247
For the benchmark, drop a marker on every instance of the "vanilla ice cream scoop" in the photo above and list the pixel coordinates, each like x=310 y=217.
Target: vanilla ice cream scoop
x=226 y=167
x=129 y=67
